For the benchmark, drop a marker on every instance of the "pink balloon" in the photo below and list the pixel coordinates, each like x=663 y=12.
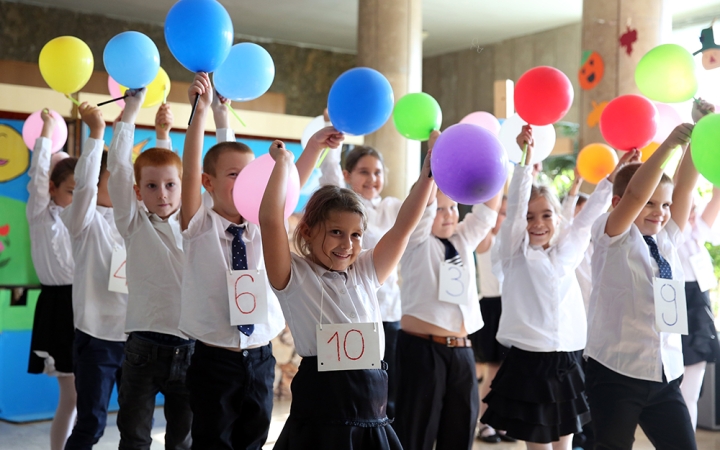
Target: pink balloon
x=114 y=89
x=250 y=187
x=669 y=119
x=483 y=119
x=32 y=129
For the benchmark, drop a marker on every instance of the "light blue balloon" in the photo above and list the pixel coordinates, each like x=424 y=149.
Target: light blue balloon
x=360 y=101
x=132 y=59
x=199 y=34
x=246 y=74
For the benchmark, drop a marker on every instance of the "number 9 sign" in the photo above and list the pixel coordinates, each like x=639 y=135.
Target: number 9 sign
x=348 y=346
x=670 y=306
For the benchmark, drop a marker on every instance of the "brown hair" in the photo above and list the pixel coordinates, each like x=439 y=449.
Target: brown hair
x=582 y=198
x=357 y=153
x=156 y=157
x=539 y=190
x=623 y=177
x=325 y=200
x=62 y=171
x=212 y=156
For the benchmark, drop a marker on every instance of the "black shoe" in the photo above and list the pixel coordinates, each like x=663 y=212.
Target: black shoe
x=504 y=437
x=491 y=439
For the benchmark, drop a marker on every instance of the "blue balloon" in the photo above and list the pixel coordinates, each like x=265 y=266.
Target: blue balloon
x=132 y=59
x=246 y=74
x=199 y=34
x=360 y=101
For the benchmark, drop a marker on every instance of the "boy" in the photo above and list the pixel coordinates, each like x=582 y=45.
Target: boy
x=99 y=314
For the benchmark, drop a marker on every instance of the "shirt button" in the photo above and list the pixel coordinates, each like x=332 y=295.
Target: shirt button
x=245 y=352
x=352 y=315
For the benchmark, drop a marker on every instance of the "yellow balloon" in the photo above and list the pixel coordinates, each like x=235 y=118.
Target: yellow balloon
x=595 y=162
x=157 y=90
x=647 y=151
x=66 y=64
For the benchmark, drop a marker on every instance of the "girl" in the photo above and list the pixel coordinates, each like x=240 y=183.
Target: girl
x=538 y=393
x=333 y=282
x=53 y=330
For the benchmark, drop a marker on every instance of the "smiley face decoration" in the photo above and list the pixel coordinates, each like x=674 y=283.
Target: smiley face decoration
x=710 y=50
x=592 y=69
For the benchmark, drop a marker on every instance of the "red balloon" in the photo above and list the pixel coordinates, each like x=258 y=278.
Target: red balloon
x=543 y=95
x=629 y=121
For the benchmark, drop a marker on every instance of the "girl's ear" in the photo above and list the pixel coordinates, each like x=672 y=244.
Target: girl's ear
x=304 y=231
x=52 y=189
x=346 y=175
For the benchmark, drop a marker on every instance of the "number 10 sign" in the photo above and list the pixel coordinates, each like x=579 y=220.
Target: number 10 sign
x=348 y=346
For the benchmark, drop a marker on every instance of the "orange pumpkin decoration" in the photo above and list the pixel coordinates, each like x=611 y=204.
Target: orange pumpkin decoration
x=592 y=69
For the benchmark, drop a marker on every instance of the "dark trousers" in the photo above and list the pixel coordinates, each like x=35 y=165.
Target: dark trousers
x=391 y=334
x=150 y=368
x=437 y=397
x=231 y=396
x=619 y=403
x=97 y=367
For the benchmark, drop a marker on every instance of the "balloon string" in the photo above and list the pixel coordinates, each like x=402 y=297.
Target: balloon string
x=322 y=158
x=165 y=93
x=232 y=110
x=524 y=155
x=194 y=107
x=670 y=156
x=112 y=100
x=72 y=99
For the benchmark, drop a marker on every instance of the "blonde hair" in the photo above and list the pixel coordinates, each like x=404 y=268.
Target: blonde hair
x=539 y=190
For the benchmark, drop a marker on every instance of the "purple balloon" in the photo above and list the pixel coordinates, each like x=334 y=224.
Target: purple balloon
x=469 y=164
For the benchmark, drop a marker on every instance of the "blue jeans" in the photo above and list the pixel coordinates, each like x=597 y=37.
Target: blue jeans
x=97 y=368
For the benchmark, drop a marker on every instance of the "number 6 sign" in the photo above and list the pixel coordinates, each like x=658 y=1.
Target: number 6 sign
x=247 y=295
x=670 y=306
x=348 y=346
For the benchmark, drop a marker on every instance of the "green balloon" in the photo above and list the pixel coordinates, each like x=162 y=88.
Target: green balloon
x=667 y=74
x=705 y=147
x=417 y=115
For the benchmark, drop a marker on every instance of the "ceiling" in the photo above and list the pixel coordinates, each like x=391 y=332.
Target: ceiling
x=450 y=24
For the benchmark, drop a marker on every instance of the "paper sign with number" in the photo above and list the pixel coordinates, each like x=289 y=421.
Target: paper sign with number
x=704 y=272
x=454 y=282
x=670 y=306
x=348 y=346
x=118 y=280
x=247 y=293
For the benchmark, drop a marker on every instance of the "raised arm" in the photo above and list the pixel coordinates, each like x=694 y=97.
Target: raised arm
x=329 y=138
x=192 y=153
x=476 y=226
x=39 y=185
x=571 y=199
x=223 y=130
x=712 y=209
x=163 y=125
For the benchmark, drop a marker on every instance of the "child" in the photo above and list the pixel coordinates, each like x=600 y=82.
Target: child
x=572 y=204
x=333 y=282
x=99 y=314
x=633 y=370
x=157 y=354
x=51 y=346
x=538 y=394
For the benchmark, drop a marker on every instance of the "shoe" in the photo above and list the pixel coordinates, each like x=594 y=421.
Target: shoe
x=490 y=439
x=505 y=438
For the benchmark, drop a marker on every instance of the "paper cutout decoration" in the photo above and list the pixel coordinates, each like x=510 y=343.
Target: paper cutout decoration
x=710 y=50
x=592 y=69
x=593 y=118
x=627 y=40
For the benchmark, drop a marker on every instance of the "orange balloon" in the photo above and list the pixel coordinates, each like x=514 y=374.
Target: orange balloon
x=595 y=162
x=647 y=151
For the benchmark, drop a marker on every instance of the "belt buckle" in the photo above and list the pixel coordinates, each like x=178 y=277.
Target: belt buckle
x=451 y=341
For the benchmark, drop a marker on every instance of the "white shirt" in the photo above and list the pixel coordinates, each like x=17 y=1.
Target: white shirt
x=155 y=256
x=489 y=284
x=583 y=271
x=49 y=238
x=205 y=313
x=621 y=331
x=97 y=311
x=543 y=309
x=381 y=214
x=346 y=297
x=420 y=269
x=694 y=244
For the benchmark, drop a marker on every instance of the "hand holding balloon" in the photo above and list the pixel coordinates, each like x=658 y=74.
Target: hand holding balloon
x=92 y=116
x=48 y=124
x=327 y=137
x=200 y=92
x=630 y=157
x=134 y=99
x=279 y=153
x=431 y=143
x=525 y=141
x=680 y=136
x=163 y=122
x=701 y=108
x=220 y=111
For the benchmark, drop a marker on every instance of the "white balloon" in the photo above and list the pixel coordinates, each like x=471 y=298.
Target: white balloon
x=543 y=136
x=313 y=127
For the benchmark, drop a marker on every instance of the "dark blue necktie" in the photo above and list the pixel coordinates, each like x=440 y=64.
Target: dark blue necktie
x=239 y=262
x=451 y=254
x=663 y=265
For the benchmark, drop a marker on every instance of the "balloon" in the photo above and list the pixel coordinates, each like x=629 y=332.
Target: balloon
x=706 y=147
x=629 y=121
x=469 y=164
x=132 y=59
x=667 y=74
x=32 y=129
x=595 y=162
x=156 y=92
x=669 y=118
x=416 y=115
x=116 y=91
x=647 y=151
x=250 y=187
x=543 y=95
x=199 y=34
x=360 y=101
x=66 y=64
x=544 y=138
x=246 y=74
x=483 y=119
x=313 y=127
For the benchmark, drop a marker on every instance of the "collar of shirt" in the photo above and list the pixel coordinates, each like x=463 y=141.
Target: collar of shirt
x=321 y=271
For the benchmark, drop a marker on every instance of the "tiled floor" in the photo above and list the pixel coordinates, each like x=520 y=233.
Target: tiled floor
x=34 y=436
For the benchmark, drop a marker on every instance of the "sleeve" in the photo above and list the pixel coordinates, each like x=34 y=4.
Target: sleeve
x=79 y=214
x=200 y=223
x=366 y=267
x=674 y=233
x=599 y=236
x=702 y=232
x=330 y=168
x=39 y=185
x=163 y=143
x=568 y=207
x=475 y=226
x=514 y=228
x=120 y=185
x=224 y=135
x=422 y=231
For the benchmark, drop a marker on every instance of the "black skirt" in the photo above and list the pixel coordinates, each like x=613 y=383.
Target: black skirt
x=701 y=343
x=338 y=410
x=537 y=396
x=486 y=348
x=53 y=331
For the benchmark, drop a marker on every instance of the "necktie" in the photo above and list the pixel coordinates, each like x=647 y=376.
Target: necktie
x=451 y=254
x=239 y=262
x=663 y=265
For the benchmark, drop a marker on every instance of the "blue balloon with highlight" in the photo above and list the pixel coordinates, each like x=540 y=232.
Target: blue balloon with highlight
x=246 y=74
x=132 y=59
x=360 y=101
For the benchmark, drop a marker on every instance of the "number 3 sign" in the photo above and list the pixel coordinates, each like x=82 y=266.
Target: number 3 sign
x=247 y=295
x=670 y=306
x=348 y=346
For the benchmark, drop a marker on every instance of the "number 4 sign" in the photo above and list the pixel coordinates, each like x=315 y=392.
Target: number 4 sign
x=348 y=346
x=118 y=280
x=670 y=306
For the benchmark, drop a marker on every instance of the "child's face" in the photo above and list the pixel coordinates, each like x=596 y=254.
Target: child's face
x=502 y=213
x=62 y=195
x=367 y=177
x=446 y=218
x=159 y=189
x=103 y=197
x=656 y=212
x=541 y=220
x=221 y=185
x=337 y=242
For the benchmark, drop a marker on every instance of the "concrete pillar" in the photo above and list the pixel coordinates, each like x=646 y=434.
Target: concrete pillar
x=390 y=41
x=604 y=23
